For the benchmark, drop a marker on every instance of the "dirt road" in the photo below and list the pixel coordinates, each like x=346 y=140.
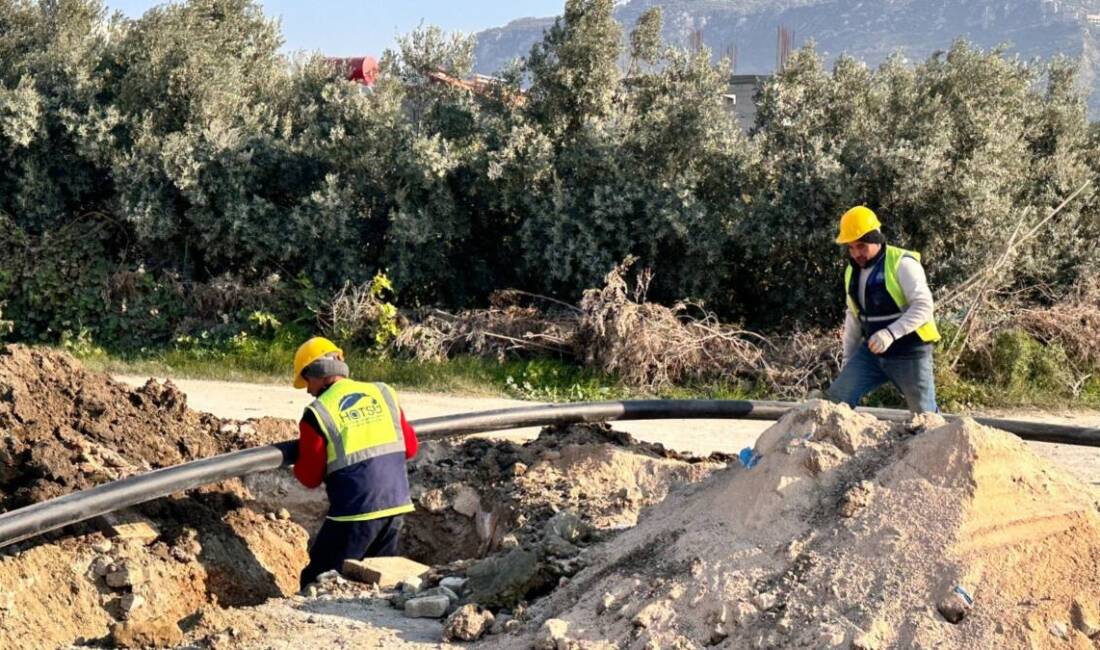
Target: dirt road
x=242 y=401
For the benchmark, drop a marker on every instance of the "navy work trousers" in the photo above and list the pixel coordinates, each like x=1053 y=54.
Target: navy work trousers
x=350 y=540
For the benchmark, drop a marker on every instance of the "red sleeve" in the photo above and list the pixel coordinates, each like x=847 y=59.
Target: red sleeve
x=310 y=468
x=411 y=443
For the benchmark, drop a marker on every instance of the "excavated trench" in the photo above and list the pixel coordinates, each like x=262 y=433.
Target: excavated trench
x=836 y=496
x=152 y=574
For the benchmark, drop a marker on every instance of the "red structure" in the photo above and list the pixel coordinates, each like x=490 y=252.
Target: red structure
x=363 y=69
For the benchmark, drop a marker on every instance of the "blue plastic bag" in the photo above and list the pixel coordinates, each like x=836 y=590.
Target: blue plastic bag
x=748 y=457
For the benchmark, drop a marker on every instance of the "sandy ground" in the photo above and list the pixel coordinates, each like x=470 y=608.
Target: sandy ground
x=242 y=401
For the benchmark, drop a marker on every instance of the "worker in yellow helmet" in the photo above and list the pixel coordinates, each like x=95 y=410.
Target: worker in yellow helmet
x=355 y=439
x=889 y=328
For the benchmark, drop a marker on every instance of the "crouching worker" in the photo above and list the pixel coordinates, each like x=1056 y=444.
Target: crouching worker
x=354 y=438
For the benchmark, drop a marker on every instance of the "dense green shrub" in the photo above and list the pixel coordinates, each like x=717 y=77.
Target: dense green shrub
x=172 y=175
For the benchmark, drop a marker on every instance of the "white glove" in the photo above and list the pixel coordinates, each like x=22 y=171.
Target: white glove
x=880 y=341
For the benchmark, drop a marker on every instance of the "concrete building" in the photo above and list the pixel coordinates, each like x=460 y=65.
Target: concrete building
x=741 y=98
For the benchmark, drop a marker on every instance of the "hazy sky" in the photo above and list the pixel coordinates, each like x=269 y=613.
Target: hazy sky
x=349 y=27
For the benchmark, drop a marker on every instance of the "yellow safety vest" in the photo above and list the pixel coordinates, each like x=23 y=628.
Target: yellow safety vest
x=927 y=332
x=362 y=421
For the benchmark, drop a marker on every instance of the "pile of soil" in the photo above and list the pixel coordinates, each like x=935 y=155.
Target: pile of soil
x=850 y=533
x=65 y=428
x=142 y=574
x=474 y=493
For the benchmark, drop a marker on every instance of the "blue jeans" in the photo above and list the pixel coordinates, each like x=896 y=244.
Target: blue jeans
x=866 y=371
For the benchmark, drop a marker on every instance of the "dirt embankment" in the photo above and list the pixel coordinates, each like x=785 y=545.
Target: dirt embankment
x=64 y=429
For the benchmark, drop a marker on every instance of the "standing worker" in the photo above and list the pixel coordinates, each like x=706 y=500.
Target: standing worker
x=355 y=439
x=889 y=328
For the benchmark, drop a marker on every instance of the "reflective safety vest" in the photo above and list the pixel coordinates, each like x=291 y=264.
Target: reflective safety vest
x=365 y=474
x=928 y=332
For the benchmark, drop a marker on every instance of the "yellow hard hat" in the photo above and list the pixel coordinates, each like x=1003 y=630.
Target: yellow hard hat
x=310 y=351
x=856 y=223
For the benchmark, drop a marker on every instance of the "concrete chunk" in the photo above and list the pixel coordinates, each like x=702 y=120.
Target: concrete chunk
x=130 y=528
x=386 y=572
x=427 y=607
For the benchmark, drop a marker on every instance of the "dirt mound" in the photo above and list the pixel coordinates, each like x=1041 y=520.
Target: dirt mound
x=500 y=488
x=64 y=429
x=852 y=534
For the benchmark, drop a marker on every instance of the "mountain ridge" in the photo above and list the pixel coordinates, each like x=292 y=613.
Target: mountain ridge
x=870 y=30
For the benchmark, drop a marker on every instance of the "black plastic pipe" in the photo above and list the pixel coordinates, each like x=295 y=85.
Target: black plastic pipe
x=39 y=518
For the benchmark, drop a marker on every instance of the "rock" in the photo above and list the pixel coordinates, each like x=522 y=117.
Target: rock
x=502 y=581
x=567 y=525
x=125 y=575
x=468 y=623
x=552 y=635
x=228 y=428
x=411 y=585
x=101 y=566
x=509 y=541
x=555 y=546
x=386 y=572
x=271 y=516
x=283 y=514
x=857 y=498
x=512 y=625
x=465 y=500
x=1084 y=618
x=454 y=583
x=954 y=607
x=128 y=603
x=1059 y=630
x=141 y=634
x=434 y=501
x=822 y=457
x=102 y=546
x=607 y=602
x=743 y=613
x=451 y=596
x=764 y=600
x=327 y=577
x=519 y=469
x=427 y=607
x=924 y=422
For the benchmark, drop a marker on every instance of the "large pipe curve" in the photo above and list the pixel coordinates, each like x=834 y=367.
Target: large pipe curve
x=39 y=518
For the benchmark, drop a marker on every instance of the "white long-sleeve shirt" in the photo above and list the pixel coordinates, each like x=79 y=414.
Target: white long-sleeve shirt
x=914 y=284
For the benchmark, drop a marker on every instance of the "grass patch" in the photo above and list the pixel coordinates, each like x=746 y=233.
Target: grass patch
x=268 y=361
x=1020 y=374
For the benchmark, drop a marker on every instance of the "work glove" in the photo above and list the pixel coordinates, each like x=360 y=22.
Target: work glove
x=880 y=341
